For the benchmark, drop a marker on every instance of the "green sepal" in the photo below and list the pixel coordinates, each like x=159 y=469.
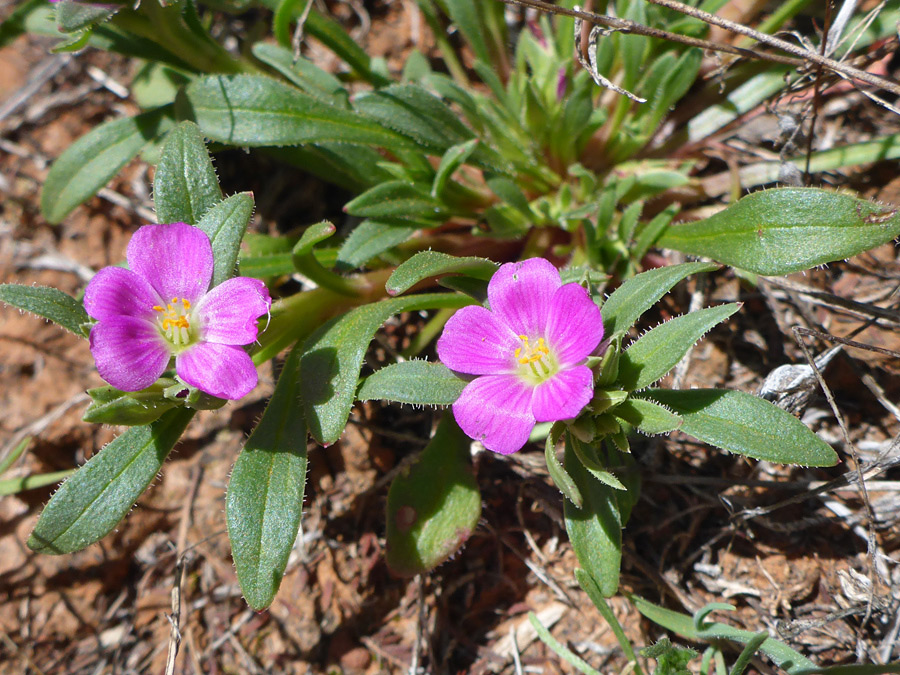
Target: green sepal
x=648 y=417
x=557 y=471
x=112 y=406
x=434 y=505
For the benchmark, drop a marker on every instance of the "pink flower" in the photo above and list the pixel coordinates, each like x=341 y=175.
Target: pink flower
x=162 y=307
x=528 y=351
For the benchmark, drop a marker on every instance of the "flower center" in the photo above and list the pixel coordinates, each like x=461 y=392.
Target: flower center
x=535 y=360
x=175 y=321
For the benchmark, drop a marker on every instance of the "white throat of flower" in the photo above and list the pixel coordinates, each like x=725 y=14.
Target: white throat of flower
x=174 y=323
x=535 y=361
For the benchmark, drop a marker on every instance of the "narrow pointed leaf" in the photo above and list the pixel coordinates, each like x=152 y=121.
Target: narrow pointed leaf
x=660 y=349
x=49 y=303
x=747 y=425
x=595 y=529
x=396 y=199
x=185 y=186
x=225 y=225
x=253 y=110
x=371 y=238
x=635 y=296
x=91 y=161
x=265 y=494
x=333 y=356
x=97 y=496
x=414 y=382
x=111 y=406
x=786 y=230
x=433 y=263
x=434 y=506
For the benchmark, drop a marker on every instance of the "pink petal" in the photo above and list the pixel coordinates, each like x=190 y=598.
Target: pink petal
x=520 y=293
x=475 y=342
x=225 y=371
x=575 y=327
x=496 y=410
x=564 y=395
x=176 y=259
x=130 y=353
x=228 y=313
x=115 y=291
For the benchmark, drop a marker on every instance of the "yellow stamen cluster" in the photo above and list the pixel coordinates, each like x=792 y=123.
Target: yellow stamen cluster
x=532 y=354
x=174 y=321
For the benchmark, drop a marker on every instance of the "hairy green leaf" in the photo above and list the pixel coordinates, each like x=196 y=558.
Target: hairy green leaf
x=225 y=225
x=97 y=496
x=747 y=425
x=372 y=238
x=415 y=382
x=91 y=161
x=786 y=230
x=635 y=296
x=434 y=505
x=49 y=303
x=253 y=110
x=333 y=356
x=265 y=494
x=648 y=417
x=658 y=350
x=185 y=186
x=433 y=263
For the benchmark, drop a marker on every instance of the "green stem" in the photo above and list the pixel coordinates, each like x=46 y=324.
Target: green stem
x=165 y=27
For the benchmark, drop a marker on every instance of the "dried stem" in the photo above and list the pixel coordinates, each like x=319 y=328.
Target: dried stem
x=801 y=56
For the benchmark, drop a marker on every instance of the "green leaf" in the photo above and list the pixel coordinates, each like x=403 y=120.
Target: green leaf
x=635 y=296
x=415 y=382
x=453 y=158
x=49 y=303
x=595 y=529
x=302 y=72
x=747 y=425
x=112 y=406
x=93 y=501
x=12 y=486
x=333 y=356
x=372 y=238
x=786 y=230
x=466 y=16
x=185 y=186
x=225 y=225
x=333 y=35
x=253 y=110
x=558 y=473
x=396 y=199
x=783 y=656
x=72 y=16
x=559 y=648
x=434 y=505
x=265 y=494
x=660 y=349
x=411 y=110
x=91 y=161
x=587 y=455
x=433 y=263
x=648 y=417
